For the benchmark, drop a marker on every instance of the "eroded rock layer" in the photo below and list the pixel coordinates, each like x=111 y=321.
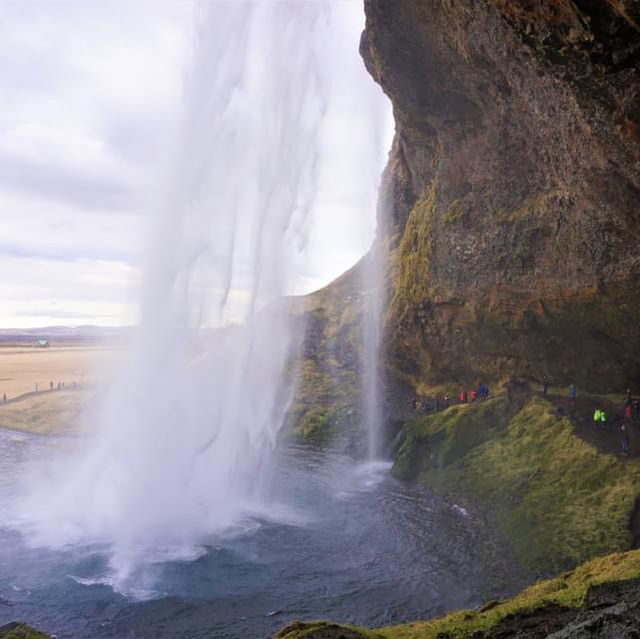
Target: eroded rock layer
x=511 y=201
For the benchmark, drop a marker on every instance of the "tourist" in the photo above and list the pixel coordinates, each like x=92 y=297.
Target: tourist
x=446 y=401
x=545 y=387
x=572 y=393
x=627 y=412
x=599 y=416
x=462 y=396
x=625 y=439
x=473 y=394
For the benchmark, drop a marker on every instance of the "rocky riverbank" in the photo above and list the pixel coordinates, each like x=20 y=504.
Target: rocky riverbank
x=599 y=599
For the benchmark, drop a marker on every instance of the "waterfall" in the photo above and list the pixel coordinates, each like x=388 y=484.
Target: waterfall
x=180 y=445
x=183 y=438
x=373 y=304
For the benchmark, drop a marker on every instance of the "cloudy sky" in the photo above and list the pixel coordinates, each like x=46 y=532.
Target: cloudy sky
x=91 y=93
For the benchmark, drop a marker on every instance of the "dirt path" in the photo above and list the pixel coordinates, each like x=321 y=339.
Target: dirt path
x=607 y=436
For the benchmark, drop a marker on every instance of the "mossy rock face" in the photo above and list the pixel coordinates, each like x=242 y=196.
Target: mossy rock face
x=558 y=500
x=510 y=199
x=18 y=630
x=327 y=402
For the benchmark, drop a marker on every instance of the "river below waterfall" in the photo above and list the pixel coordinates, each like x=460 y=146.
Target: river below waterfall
x=340 y=540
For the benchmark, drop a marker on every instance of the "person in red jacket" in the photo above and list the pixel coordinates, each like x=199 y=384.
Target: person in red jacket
x=473 y=394
x=462 y=396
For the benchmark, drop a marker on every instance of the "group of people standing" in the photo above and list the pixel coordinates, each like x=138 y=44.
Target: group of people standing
x=482 y=392
x=631 y=408
x=631 y=413
x=438 y=403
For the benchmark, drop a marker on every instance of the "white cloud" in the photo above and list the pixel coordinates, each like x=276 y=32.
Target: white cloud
x=88 y=92
x=90 y=97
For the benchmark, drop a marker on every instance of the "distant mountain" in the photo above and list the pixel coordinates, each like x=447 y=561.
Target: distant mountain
x=57 y=335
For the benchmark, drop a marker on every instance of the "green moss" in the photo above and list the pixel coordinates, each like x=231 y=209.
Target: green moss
x=410 y=291
x=315 y=425
x=20 y=631
x=412 y=258
x=568 y=590
x=454 y=212
x=324 y=630
x=535 y=205
x=558 y=500
x=325 y=397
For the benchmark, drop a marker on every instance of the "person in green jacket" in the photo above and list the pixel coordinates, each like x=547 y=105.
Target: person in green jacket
x=599 y=416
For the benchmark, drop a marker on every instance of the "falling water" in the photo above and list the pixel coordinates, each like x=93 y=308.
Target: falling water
x=185 y=434
x=373 y=301
x=180 y=446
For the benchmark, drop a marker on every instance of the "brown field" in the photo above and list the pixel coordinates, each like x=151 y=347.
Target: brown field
x=22 y=368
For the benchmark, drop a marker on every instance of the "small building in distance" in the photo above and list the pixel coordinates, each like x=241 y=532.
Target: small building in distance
x=42 y=343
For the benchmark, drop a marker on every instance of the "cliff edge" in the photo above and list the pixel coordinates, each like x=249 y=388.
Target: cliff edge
x=511 y=201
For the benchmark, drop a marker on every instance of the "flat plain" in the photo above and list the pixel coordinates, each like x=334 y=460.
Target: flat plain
x=76 y=369
x=22 y=367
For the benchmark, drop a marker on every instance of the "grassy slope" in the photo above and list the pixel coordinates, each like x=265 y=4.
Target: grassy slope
x=46 y=412
x=20 y=631
x=558 y=500
x=567 y=590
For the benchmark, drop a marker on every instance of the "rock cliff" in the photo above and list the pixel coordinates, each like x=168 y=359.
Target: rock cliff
x=511 y=201
x=508 y=214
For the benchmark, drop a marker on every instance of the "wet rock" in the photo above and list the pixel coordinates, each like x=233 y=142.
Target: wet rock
x=609 y=612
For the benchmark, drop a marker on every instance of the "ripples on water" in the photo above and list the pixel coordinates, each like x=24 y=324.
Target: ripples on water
x=340 y=540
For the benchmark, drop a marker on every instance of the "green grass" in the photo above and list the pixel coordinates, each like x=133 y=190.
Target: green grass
x=20 y=631
x=558 y=500
x=454 y=212
x=47 y=412
x=324 y=630
x=567 y=590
